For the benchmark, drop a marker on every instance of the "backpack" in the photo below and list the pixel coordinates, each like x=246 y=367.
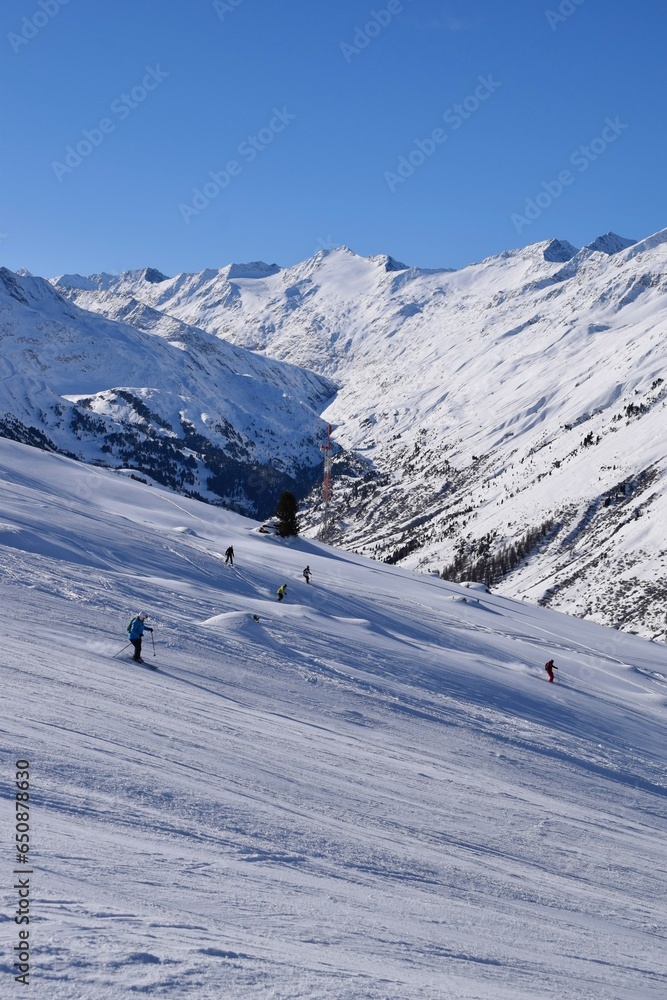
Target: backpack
x=132 y=621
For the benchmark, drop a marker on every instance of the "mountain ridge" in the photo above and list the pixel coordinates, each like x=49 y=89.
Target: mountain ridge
x=475 y=407
x=142 y=390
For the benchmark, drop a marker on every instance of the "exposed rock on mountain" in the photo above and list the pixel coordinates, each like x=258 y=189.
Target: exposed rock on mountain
x=150 y=394
x=505 y=420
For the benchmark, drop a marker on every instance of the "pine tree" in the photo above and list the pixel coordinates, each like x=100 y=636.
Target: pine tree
x=286 y=512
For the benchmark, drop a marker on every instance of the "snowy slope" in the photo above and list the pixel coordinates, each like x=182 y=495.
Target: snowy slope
x=370 y=793
x=298 y=312
x=520 y=392
x=149 y=392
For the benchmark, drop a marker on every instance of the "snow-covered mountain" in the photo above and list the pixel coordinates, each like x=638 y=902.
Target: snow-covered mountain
x=512 y=412
x=369 y=793
x=147 y=392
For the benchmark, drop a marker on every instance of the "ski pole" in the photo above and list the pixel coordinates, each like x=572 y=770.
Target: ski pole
x=121 y=650
x=153 y=641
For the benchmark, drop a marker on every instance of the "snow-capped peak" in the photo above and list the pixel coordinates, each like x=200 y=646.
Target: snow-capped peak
x=255 y=269
x=559 y=251
x=611 y=243
x=388 y=263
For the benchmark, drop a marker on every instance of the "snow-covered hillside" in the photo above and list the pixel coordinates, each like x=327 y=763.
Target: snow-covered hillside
x=146 y=391
x=513 y=411
x=371 y=793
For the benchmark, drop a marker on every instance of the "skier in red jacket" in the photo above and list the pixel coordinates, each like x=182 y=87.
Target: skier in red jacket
x=550 y=667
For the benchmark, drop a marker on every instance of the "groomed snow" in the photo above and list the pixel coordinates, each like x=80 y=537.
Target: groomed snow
x=371 y=792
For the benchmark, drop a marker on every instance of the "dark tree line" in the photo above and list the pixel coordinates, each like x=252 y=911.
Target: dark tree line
x=482 y=566
x=403 y=550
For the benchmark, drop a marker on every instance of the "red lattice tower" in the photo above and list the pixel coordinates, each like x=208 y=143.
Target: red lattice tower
x=325 y=530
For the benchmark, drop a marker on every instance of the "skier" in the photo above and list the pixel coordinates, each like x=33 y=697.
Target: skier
x=307 y=574
x=550 y=667
x=229 y=556
x=135 y=631
x=281 y=591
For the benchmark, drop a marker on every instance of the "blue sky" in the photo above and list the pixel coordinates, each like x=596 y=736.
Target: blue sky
x=438 y=132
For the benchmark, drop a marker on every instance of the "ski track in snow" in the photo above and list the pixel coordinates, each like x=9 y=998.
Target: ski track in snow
x=371 y=792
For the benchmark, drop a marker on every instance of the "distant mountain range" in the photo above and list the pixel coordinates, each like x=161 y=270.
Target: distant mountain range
x=505 y=420
x=144 y=392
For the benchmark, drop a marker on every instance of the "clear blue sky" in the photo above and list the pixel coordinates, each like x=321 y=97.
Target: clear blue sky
x=169 y=91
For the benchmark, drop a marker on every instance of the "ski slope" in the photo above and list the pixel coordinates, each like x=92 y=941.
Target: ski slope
x=372 y=792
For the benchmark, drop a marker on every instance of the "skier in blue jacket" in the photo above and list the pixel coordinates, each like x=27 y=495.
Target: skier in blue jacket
x=135 y=631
